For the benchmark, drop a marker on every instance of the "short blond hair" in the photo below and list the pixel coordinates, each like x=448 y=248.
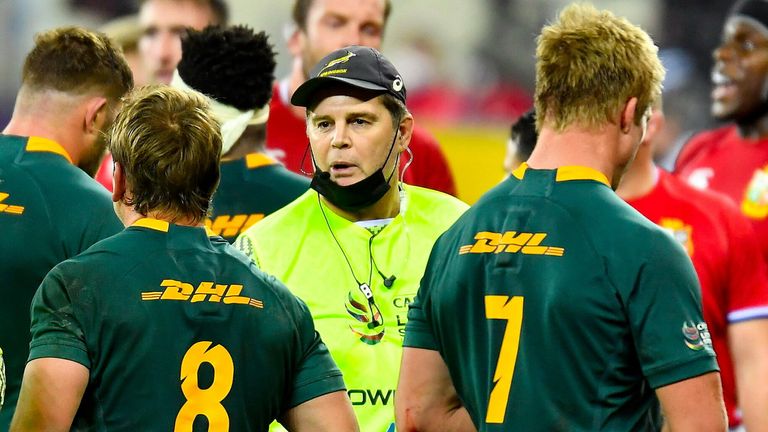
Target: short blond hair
x=589 y=63
x=169 y=146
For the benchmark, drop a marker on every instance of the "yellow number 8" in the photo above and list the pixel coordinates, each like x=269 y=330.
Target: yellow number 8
x=206 y=402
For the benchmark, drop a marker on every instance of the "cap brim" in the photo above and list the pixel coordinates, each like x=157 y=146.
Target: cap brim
x=303 y=95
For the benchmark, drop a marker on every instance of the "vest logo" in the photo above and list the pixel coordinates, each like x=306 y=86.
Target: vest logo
x=755 y=203
x=368 y=326
x=371 y=396
x=7 y=208
x=699 y=178
x=679 y=231
x=230 y=226
x=696 y=336
x=206 y=291
x=511 y=242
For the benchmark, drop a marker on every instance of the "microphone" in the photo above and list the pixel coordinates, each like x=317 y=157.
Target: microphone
x=389 y=281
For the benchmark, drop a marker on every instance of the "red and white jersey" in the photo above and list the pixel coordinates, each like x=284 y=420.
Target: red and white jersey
x=287 y=141
x=722 y=246
x=723 y=161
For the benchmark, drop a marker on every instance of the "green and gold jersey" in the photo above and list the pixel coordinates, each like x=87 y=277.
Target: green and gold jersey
x=556 y=306
x=50 y=210
x=250 y=189
x=296 y=244
x=179 y=330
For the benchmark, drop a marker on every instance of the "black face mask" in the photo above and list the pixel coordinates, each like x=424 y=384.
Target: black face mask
x=356 y=196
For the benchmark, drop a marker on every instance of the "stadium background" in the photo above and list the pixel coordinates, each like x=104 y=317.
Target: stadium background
x=468 y=65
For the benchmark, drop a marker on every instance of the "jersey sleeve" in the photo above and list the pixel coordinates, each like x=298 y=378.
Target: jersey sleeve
x=747 y=286
x=55 y=329
x=689 y=151
x=317 y=373
x=418 y=329
x=664 y=312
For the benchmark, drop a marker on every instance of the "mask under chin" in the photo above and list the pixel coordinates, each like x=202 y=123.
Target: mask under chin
x=353 y=197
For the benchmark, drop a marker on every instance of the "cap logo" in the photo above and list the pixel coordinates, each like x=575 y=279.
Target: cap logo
x=339 y=60
x=397 y=84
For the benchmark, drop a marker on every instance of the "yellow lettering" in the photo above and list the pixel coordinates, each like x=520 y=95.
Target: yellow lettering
x=486 y=242
x=176 y=290
x=208 y=288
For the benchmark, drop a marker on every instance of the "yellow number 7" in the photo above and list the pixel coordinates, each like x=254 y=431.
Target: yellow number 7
x=502 y=307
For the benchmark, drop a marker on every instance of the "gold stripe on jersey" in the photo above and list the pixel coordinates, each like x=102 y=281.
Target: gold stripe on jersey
x=151 y=223
x=40 y=144
x=568 y=173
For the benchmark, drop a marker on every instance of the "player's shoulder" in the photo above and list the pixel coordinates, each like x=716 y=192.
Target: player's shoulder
x=422 y=141
x=703 y=200
x=704 y=141
x=710 y=136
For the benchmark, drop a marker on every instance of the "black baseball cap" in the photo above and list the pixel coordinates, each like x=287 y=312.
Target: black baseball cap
x=357 y=66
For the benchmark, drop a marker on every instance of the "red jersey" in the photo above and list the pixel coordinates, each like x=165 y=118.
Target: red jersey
x=723 y=161
x=104 y=174
x=722 y=246
x=287 y=141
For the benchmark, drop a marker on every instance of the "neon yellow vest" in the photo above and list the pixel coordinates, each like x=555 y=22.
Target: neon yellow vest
x=295 y=245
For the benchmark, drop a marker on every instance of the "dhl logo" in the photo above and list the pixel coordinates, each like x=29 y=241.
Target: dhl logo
x=7 y=208
x=511 y=242
x=231 y=226
x=213 y=292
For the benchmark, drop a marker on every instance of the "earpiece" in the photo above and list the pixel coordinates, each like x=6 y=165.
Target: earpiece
x=388 y=282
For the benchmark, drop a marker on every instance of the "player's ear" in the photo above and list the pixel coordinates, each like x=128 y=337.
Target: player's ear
x=95 y=115
x=627 y=116
x=118 y=183
x=295 y=39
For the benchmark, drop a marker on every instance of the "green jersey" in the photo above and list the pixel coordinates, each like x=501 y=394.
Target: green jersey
x=50 y=210
x=296 y=244
x=251 y=188
x=179 y=329
x=556 y=307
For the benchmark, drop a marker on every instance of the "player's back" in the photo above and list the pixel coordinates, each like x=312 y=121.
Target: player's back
x=50 y=210
x=250 y=189
x=549 y=311
x=182 y=330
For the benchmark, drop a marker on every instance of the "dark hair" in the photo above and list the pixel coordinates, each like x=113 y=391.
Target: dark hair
x=396 y=108
x=301 y=11
x=233 y=66
x=218 y=7
x=523 y=132
x=76 y=60
x=169 y=146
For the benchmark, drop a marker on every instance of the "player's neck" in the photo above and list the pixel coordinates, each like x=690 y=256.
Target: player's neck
x=640 y=178
x=755 y=129
x=575 y=147
x=50 y=128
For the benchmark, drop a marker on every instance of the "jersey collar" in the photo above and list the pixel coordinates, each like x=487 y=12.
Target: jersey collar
x=40 y=144
x=568 y=173
x=163 y=226
x=256 y=160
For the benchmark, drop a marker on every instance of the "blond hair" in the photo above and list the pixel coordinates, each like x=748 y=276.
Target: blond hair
x=589 y=64
x=169 y=146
